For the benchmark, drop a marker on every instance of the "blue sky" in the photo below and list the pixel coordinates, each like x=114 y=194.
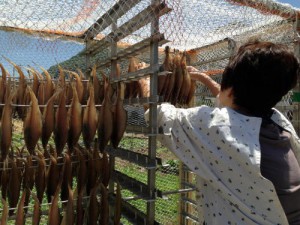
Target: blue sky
x=294 y=3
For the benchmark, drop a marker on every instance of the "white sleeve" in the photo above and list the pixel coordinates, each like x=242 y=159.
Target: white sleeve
x=172 y=125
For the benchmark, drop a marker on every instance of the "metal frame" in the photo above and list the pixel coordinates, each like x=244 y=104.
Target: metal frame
x=149 y=161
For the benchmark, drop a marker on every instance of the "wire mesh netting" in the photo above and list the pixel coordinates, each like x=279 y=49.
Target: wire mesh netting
x=83 y=33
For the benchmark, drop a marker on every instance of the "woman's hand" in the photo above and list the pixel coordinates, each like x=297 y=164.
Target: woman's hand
x=205 y=79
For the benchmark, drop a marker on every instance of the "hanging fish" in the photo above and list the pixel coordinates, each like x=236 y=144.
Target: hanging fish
x=48 y=88
x=105 y=125
x=104 y=209
x=113 y=92
x=6 y=128
x=2 y=82
x=85 y=88
x=41 y=96
x=190 y=98
x=36 y=216
x=97 y=160
x=170 y=83
x=61 y=124
x=8 y=89
x=4 y=216
x=20 y=90
x=91 y=176
x=40 y=176
x=178 y=80
x=32 y=123
x=52 y=177
x=105 y=169
x=143 y=83
x=118 y=71
x=90 y=120
x=61 y=81
x=78 y=85
x=96 y=85
x=75 y=117
x=28 y=178
x=69 y=93
x=35 y=81
x=119 y=118
x=14 y=185
x=54 y=217
x=162 y=81
x=20 y=215
x=132 y=86
x=93 y=206
x=118 y=205
x=68 y=216
x=48 y=120
x=79 y=209
x=26 y=100
x=82 y=170
x=67 y=177
x=4 y=178
x=186 y=82
x=3 y=85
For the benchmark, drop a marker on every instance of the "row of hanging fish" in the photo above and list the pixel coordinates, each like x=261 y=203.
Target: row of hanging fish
x=176 y=86
x=67 y=125
x=66 y=122
x=52 y=177
x=137 y=88
x=75 y=209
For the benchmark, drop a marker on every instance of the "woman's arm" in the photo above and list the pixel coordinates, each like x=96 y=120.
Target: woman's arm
x=212 y=85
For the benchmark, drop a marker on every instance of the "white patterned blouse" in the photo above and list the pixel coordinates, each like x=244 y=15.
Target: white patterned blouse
x=222 y=148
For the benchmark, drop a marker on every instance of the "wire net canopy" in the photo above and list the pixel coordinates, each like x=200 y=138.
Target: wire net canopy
x=49 y=32
x=77 y=34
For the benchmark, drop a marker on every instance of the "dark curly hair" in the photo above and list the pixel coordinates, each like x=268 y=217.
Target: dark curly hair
x=260 y=74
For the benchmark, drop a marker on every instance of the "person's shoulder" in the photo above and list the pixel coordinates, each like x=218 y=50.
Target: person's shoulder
x=230 y=117
x=280 y=119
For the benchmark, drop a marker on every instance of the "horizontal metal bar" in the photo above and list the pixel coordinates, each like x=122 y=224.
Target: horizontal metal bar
x=133 y=50
x=137 y=129
x=135 y=75
x=134 y=157
x=190 y=217
x=140 y=20
x=114 y=13
x=162 y=194
x=135 y=186
x=134 y=215
x=85 y=201
x=44 y=106
x=189 y=201
x=185 y=168
x=186 y=184
x=60 y=161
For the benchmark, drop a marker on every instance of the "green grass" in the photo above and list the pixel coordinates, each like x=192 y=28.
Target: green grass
x=167 y=179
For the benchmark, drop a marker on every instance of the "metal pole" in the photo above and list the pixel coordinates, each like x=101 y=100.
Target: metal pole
x=153 y=118
x=112 y=159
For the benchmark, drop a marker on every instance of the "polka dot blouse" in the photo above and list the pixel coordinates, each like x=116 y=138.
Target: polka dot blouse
x=222 y=148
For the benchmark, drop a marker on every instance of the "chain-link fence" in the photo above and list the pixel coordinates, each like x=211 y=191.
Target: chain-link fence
x=83 y=33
